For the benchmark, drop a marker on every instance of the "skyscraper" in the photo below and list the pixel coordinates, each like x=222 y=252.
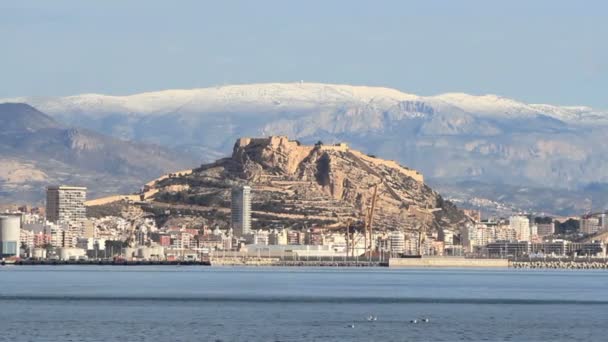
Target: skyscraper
x=241 y=210
x=65 y=204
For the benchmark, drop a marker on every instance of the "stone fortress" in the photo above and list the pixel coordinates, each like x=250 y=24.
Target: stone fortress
x=298 y=152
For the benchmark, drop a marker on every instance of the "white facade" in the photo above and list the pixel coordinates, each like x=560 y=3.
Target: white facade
x=397 y=242
x=590 y=225
x=521 y=226
x=66 y=204
x=277 y=237
x=240 y=207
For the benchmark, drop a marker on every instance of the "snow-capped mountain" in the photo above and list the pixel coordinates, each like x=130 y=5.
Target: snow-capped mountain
x=276 y=97
x=451 y=137
x=225 y=98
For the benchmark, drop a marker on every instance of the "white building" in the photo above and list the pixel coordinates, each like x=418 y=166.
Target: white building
x=590 y=225
x=65 y=204
x=397 y=242
x=277 y=237
x=240 y=210
x=521 y=226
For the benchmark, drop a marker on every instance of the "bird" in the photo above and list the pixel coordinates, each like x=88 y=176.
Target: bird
x=351 y=325
x=414 y=321
x=426 y=320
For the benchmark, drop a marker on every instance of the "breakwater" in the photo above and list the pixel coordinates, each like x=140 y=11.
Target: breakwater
x=561 y=264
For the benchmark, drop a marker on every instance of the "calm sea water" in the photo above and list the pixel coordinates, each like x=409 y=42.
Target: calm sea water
x=97 y=303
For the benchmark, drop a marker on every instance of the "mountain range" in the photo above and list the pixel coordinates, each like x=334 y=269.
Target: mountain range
x=36 y=151
x=485 y=151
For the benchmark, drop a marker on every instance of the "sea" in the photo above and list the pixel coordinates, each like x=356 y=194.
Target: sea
x=201 y=303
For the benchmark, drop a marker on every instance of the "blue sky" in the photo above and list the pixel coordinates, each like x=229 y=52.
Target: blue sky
x=536 y=51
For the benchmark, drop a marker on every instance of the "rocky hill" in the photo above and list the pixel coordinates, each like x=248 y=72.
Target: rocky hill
x=302 y=185
x=36 y=150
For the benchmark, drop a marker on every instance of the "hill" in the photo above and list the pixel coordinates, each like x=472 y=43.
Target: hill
x=302 y=185
x=36 y=150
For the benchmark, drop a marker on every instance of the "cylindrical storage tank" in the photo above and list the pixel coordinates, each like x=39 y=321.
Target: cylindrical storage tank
x=39 y=253
x=10 y=229
x=129 y=252
x=67 y=253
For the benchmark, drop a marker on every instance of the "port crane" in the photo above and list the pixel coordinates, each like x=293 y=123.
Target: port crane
x=368 y=219
x=369 y=223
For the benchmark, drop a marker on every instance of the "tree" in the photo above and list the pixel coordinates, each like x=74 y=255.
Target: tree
x=567 y=227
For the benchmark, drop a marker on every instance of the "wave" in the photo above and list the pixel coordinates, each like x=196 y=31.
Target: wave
x=305 y=300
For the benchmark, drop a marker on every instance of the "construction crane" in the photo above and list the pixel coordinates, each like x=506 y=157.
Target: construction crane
x=369 y=223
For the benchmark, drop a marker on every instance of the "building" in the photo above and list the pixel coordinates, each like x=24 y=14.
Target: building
x=590 y=224
x=587 y=248
x=296 y=238
x=66 y=204
x=553 y=248
x=27 y=239
x=10 y=236
x=521 y=226
x=469 y=236
x=241 y=210
x=505 y=249
x=545 y=229
x=504 y=233
x=397 y=242
x=277 y=237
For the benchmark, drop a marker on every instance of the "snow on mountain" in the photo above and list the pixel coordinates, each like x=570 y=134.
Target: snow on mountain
x=454 y=138
x=487 y=104
x=224 y=98
x=280 y=97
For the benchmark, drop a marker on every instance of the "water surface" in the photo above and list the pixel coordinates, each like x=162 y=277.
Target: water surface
x=165 y=303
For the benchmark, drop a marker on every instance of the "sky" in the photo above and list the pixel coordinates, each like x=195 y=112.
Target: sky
x=543 y=51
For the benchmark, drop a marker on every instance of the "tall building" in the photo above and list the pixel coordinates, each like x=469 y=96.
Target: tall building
x=521 y=225
x=241 y=210
x=590 y=224
x=397 y=242
x=10 y=231
x=65 y=204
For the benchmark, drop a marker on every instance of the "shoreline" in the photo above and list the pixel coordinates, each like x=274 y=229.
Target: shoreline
x=436 y=263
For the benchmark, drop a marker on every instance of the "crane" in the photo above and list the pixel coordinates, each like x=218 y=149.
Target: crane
x=369 y=222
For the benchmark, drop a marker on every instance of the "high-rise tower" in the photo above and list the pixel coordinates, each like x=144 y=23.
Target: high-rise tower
x=241 y=210
x=65 y=204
